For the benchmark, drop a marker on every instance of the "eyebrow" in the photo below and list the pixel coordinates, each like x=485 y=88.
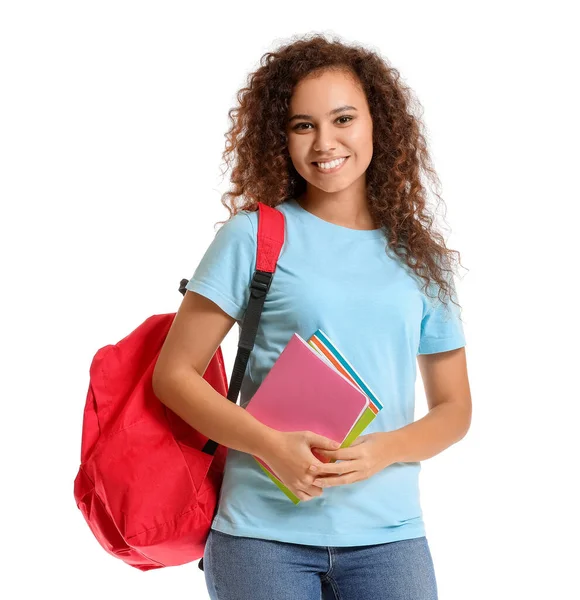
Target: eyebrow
x=332 y=112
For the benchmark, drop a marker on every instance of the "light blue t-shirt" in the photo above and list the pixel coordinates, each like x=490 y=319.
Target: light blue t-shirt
x=342 y=281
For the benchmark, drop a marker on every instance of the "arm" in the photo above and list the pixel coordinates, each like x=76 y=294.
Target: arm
x=448 y=396
x=198 y=329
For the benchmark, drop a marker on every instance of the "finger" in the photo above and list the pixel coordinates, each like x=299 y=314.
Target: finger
x=312 y=492
x=335 y=480
x=304 y=490
x=320 y=441
x=342 y=468
x=318 y=456
x=330 y=468
x=340 y=454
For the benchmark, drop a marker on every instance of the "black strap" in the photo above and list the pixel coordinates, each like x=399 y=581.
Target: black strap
x=259 y=287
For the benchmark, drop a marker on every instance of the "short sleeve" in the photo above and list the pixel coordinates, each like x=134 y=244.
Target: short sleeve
x=226 y=269
x=441 y=325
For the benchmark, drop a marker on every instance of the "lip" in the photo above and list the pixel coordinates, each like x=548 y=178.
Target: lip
x=333 y=170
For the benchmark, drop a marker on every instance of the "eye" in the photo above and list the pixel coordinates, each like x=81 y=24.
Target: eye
x=299 y=126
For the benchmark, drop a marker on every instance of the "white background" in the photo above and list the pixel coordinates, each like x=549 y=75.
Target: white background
x=112 y=123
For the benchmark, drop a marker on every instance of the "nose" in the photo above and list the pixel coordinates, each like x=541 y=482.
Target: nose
x=324 y=140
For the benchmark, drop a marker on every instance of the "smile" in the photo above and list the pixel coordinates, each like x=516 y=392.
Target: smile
x=333 y=166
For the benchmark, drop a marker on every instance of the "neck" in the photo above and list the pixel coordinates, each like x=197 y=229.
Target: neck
x=347 y=208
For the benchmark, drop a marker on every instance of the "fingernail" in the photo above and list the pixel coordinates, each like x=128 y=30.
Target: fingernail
x=313 y=467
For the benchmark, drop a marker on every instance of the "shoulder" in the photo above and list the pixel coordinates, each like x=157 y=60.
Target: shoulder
x=240 y=228
x=436 y=301
x=244 y=224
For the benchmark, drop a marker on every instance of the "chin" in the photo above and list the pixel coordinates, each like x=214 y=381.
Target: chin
x=331 y=187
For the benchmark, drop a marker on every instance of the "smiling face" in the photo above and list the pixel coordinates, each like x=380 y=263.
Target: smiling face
x=329 y=118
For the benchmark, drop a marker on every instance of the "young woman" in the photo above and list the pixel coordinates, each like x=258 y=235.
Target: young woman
x=324 y=133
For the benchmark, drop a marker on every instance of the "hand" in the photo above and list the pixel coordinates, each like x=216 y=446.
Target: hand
x=291 y=457
x=367 y=455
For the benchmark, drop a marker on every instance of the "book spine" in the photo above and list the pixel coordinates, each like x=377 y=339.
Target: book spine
x=273 y=477
x=320 y=342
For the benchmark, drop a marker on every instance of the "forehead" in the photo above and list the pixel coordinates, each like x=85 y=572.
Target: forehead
x=327 y=90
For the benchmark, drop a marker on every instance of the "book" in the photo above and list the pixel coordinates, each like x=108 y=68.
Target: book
x=313 y=387
x=322 y=344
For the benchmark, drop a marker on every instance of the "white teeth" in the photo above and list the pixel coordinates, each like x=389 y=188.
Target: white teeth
x=331 y=164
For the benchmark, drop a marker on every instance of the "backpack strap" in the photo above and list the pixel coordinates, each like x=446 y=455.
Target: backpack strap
x=269 y=246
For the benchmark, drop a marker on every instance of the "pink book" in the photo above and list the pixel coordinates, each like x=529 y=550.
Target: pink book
x=304 y=392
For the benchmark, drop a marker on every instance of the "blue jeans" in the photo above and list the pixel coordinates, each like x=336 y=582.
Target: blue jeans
x=243 y=568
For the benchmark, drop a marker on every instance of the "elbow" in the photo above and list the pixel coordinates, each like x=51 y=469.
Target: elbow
x=465 y=420
x=159 y=383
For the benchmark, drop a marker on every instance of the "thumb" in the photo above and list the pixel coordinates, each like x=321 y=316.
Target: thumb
x=319 y=441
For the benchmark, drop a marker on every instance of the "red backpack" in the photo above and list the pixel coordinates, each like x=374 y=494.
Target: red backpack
x=148 y=483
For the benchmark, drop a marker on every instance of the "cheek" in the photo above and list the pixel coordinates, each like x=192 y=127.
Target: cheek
x=363 y=149
x=296 y=148
x=298 y=153
x=361 y=141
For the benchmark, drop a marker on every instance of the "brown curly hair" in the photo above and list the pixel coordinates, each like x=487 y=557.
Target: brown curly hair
x=262 y=170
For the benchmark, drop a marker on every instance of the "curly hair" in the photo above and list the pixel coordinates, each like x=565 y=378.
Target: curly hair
x=262 y=171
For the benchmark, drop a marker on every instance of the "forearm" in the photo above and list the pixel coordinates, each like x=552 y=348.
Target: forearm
x=444 y=425
x=193 y=399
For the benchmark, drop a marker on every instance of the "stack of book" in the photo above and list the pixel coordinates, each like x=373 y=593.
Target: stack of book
x=312 y=387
